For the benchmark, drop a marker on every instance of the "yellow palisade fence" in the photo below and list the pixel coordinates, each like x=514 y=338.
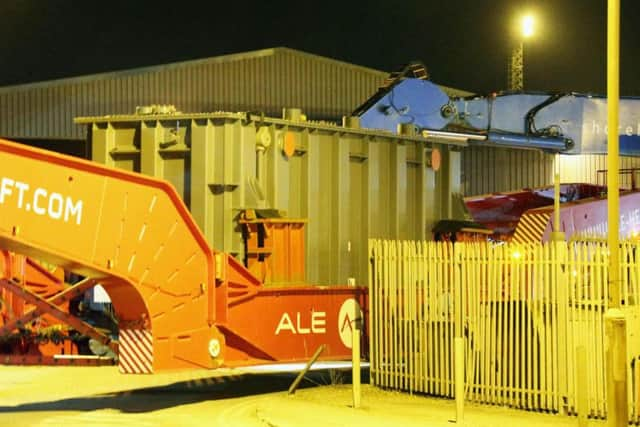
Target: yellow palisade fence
x=522 y=309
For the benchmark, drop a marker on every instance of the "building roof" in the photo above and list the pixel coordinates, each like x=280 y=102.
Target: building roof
x=221 y=59
x=266 y=80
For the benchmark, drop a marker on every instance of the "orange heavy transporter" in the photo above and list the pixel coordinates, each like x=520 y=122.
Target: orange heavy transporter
x=178 y=303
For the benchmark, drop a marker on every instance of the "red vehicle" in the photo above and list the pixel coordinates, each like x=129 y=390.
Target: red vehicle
x=527 y=215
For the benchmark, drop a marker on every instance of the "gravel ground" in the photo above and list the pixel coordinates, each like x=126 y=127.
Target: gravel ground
x=91 y=396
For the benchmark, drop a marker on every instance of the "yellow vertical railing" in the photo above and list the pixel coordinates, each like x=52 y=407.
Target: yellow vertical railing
x=523 y=310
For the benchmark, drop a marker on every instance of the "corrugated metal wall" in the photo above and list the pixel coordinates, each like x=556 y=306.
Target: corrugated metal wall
x=489 y=169
x=262 y=81
x=584 y=169
x=350 y=184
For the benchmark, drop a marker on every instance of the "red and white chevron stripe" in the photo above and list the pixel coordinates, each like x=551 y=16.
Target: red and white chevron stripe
x=135 y=351
x=531 y=228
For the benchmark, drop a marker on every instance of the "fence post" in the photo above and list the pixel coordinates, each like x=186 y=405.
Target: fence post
x=355 y=357
x=561 y=282
x=459 y=378
x=582 y=392
x=459 y=308
x=616 y=346
x=373 y=270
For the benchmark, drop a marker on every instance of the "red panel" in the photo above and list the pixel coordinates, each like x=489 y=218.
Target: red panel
x=591 y=215
x=501 y=212
x=275 y=250
x=289 y=324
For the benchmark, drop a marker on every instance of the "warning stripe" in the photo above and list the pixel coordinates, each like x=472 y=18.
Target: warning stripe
x=135 y=351
x=531 y=227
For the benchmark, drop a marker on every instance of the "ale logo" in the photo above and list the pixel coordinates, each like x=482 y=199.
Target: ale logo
x=350 y=312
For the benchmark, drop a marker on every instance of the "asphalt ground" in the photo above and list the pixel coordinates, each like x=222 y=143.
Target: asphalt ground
x=100 y=396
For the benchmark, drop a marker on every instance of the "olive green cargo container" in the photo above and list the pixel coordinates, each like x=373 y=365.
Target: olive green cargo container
x=350 y=184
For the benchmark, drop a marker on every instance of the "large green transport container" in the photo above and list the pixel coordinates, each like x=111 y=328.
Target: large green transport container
x=350 y=184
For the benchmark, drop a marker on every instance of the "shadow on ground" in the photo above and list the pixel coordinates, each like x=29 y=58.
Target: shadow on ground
x=181 y=393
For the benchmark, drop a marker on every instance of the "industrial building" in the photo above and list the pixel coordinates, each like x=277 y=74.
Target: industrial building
x=264 y=82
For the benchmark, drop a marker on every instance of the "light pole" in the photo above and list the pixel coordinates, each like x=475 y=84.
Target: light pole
x=615 y=316
x=516 y=62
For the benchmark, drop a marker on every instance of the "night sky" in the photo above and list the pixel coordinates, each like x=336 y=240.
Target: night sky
x=464 y=43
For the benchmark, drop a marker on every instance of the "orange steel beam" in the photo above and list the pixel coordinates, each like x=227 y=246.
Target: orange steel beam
x=43 y=306
x=58 y=299
x=131 y=232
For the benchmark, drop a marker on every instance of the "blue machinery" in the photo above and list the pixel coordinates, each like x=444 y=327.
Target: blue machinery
x=571 y=123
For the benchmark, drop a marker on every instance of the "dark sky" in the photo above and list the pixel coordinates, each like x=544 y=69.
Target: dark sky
x=464 y=43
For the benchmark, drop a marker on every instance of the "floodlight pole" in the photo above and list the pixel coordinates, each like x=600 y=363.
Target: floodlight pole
x=516 y=67
x=615 y=322
x=516 y=62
